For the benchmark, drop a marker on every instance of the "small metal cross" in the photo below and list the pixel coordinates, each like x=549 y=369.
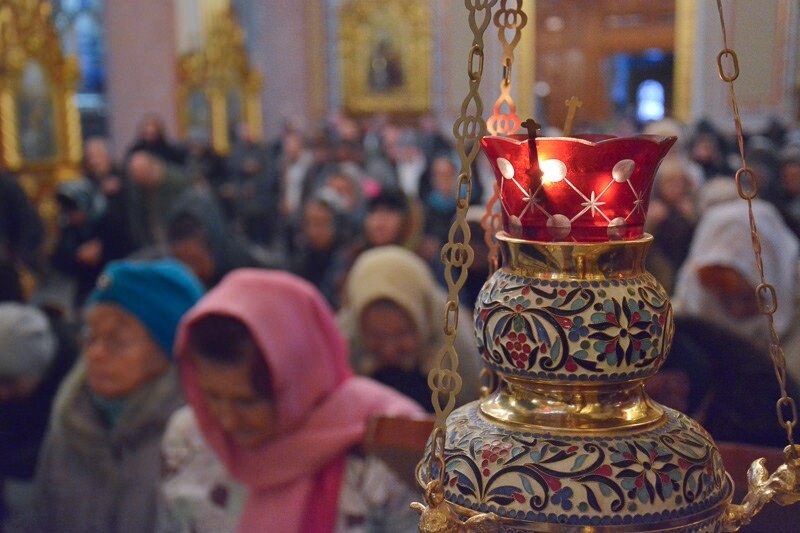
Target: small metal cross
x=572 y=107
x=532 y=126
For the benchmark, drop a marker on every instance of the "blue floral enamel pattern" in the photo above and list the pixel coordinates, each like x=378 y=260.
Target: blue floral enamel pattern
x=665 y=473
x=613 y=330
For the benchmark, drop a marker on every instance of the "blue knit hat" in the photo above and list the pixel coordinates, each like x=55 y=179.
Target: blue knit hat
x=157 y=293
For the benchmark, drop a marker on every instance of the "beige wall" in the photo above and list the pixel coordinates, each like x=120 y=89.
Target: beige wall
x=141 y=65
x=763 y=34
x=142 y=52
x=288 y=46
x=280 y=53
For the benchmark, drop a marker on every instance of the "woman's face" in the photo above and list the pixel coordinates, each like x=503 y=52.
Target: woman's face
x=195 y=254
x=318 y=226
x=97 y=157
x=705 y=149
x=444 y=176
x=390 y=335
x=119 y=353
x=735 y=294
x=790 y=179
x=673 y=188
x=345 y=188
x=152 y=130
x=383 y=225
x=248 y=419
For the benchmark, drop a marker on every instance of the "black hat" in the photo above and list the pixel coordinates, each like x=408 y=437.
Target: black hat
x=390 y=198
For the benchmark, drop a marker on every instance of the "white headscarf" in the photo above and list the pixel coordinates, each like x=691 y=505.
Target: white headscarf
x=723 y=238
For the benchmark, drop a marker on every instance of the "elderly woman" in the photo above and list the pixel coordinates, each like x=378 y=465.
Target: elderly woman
x=99 y=466
x=266 y=373
x=394 y=315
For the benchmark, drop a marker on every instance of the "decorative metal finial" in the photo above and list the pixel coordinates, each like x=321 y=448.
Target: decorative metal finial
x=532 y=126
x=438 y=517
x=573 y=104
x=782 y=487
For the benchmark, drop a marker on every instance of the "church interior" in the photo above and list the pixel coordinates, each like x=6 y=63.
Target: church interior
x=293 y=265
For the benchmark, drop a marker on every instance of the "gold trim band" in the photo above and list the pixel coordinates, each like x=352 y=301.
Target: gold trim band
x=572 y=408
x=597 y=261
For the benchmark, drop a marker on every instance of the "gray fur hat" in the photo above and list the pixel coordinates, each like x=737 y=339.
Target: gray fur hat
x=27 y=342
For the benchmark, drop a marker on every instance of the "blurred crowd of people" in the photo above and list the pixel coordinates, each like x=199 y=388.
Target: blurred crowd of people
x=93 y=435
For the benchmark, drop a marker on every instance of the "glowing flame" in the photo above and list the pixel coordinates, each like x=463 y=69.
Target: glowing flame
x=553 y=170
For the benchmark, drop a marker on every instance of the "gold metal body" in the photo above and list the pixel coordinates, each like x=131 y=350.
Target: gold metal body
x=700 y=522
x=574 y=407
x=572 y=261
x=618 y=411
x=579 y=409
x=613 y=410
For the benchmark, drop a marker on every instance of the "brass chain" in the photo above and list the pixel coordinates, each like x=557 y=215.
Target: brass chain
x=502 y=123
x=507 y=19
x=767 y=299
x=457 y=254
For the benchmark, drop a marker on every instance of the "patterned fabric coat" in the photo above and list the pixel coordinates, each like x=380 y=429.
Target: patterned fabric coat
x=199 y=496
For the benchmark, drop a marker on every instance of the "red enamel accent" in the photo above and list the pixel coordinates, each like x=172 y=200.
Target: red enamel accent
x=604 y=470
x=589 y=161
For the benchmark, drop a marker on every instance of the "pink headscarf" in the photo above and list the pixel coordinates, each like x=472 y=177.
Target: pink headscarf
x=322 y=409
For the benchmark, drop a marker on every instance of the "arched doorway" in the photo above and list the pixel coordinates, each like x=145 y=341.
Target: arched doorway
x=602 y=51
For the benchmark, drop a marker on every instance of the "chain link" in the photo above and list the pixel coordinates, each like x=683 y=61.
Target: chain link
x=785 y=407
x=502 y=123
x=457 y=254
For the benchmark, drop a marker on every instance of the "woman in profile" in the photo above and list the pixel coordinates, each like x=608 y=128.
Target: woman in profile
x=266 y=374
x=720 y=335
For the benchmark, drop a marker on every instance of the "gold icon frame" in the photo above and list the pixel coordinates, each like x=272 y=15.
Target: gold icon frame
x=402 y=28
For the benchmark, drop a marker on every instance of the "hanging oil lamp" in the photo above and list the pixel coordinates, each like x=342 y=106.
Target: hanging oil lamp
x=574 y=325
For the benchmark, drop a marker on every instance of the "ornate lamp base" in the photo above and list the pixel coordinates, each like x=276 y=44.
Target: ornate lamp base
x=570 y=441
x=666 y=476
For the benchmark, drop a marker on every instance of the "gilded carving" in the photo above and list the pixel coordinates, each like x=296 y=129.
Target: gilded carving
x=385 y=54
x=40 y=132
x=216 y=71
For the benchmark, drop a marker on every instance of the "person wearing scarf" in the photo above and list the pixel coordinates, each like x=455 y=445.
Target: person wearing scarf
x=720 y=356
x=100 y=464
x=718 y=279
x=393 y=314
x=266 y=373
